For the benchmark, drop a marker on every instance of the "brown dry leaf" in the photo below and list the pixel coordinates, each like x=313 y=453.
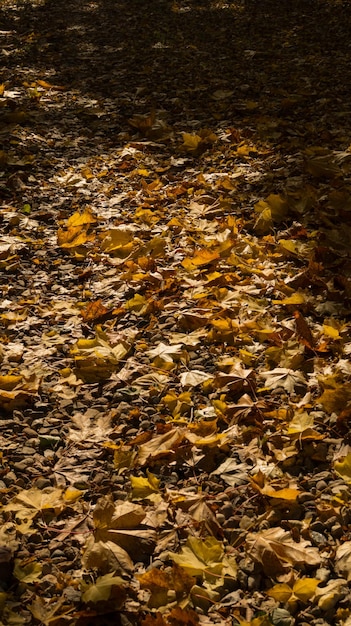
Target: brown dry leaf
x=48 y=611
x=94 y=311
x=161 y=582
x=343 y=560
x=17 y=391
x=283 y=377
x=106 y=587
x=106 y=557
x=182 y=617
x=276 y=551
x=119 y=242
x=154 y=620
x=336 y=395
x=161 y=446
x=121 y=523
x=28 y=503
x=95 y=359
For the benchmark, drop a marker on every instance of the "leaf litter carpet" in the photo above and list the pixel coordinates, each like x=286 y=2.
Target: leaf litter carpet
x=175 y=380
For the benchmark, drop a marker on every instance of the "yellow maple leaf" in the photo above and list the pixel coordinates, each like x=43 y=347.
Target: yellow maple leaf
x=201 y=258
x=343 y=468
x=191 y=141
x=331 y=332
x=81 y=219
x=295 y=298
x=287 y=493
x=73 y=237
x=143 y=488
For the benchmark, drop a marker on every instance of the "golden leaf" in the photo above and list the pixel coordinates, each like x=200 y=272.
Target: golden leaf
x=201 y=258
x=81 y=219
x=343 y=468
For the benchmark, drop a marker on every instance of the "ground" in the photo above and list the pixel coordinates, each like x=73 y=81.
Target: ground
x=175 y=317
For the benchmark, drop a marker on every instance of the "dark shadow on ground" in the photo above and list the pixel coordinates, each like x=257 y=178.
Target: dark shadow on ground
x=174 y=56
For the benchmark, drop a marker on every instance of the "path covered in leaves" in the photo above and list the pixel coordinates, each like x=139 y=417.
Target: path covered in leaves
x=175 y=339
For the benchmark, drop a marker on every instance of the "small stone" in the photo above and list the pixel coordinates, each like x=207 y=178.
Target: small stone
x=321 y=485
x=119 y=480
x=21 y=466
x=305 y=496
x=119 y=494
x=331 y=521
x=220 y=518
x=318 y=539
x=28 y=450
x=42 y=554
x=33 y=442
x=242 y=579
x=30 y=432
x=253 y=583
x=323 y=574
x=227 y=510
x=72 y=595
x=245 y=522
x=42 y=482
x=145 y=424
x=336 y=531
x=317 y=526
x=57 y=553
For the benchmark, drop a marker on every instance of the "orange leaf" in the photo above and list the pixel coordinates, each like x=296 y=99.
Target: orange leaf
x=94 y=311
x=201 y=258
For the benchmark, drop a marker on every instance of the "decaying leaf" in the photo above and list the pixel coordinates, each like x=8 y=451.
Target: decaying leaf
x=105 y=588
x=276 y=551
x=204 y=558
x=95 y=359
x=121 y=523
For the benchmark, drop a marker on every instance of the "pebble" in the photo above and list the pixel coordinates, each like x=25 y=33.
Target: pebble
x=317 y=526
x=43 y=553
x=28 y=450
x=245 y=522
x=119 y=480
x=253 y=583
x=336 y=531
x=242 y=579
x=331 y=521
x=227 y=510
x=318 y=539
x=321 y=485
x=305 y=496
x=30 y=432
x=131 y=432
x=145 y=424
x=323 y=574
x=57 y=553
x=72 y=595
x=20 y=466
x=42 y=483
x=119 y=494
x=33 y=441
